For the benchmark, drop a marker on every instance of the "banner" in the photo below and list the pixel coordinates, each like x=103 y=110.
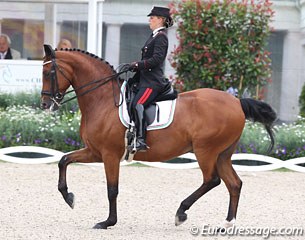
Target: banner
x=20 y=75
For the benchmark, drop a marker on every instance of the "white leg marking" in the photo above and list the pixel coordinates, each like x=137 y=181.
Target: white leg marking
x=229 y=224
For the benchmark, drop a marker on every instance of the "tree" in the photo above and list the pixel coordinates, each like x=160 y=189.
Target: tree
x=222 y=44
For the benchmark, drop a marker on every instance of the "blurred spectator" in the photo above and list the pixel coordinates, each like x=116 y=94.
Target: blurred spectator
x=64 y=43
x=6 y=52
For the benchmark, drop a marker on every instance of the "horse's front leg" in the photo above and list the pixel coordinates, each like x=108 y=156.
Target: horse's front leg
x=62 y=182
x=112 y=174
x=84 y=156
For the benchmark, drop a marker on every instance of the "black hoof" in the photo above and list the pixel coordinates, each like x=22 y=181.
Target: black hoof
x=105 y=224
x=70 y=200
x=181 y=218
x=99 y=226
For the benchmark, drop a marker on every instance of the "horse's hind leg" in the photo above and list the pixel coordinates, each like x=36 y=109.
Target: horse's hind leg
x=83 y=155
x=211 y=180
x=232 y=181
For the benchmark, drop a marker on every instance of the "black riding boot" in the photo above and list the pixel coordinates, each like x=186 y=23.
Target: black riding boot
x=141 y=145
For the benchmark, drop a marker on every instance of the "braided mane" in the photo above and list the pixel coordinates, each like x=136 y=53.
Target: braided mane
x=86 y=53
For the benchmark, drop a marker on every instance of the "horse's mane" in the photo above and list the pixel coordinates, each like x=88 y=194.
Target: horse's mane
x=86 y=53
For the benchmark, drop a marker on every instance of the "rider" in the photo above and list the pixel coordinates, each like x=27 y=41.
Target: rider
x=150 y=70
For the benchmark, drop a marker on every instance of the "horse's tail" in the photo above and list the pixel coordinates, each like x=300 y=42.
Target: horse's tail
x=258 y=111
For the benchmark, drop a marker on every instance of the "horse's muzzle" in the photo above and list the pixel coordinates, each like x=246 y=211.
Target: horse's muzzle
x=48 y=104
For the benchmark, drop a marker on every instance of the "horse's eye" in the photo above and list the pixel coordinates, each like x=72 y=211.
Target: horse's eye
x=46 y=73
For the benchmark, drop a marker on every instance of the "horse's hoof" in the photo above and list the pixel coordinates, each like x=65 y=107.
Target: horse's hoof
x=100 y=225
x=181 y=218
x=70 y=200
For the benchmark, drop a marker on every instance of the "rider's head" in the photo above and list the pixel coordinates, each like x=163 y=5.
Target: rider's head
x=160 y=17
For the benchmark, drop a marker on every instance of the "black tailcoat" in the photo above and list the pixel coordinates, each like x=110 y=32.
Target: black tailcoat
x=151 y=65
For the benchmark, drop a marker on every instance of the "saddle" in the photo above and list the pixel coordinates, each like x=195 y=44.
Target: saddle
x=158 y=115
x=153 y=109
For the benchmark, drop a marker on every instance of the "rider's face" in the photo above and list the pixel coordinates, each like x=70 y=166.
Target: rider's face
x=155 y=22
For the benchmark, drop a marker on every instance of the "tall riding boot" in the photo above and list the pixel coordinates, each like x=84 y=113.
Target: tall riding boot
x=141 y=128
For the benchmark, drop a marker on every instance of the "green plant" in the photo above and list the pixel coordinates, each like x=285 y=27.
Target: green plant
x=22 y=122
x=222 y=44
x=289 y=140
x=23 y=125
x=20 y=98
x=302 y=102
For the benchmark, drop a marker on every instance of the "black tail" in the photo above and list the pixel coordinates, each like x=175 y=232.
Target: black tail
x=258 y=111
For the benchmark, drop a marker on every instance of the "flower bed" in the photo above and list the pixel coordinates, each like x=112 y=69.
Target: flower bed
x=23 y=123
x=289 y=140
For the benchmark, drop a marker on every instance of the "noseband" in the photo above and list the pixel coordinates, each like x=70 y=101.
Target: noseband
x=56 y=96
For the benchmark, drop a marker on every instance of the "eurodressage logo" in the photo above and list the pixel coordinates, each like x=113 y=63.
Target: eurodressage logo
x=264 y=232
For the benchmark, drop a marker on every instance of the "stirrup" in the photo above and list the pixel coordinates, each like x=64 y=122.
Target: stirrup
x=141 y=146
x=133 y=148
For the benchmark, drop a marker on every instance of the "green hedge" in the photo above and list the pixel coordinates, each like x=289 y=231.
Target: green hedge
x=22 y=124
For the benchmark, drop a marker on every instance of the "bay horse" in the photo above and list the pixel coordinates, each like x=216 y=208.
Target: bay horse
x=206 y=121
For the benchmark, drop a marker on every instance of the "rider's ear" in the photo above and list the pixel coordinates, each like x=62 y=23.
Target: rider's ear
x=49 y=52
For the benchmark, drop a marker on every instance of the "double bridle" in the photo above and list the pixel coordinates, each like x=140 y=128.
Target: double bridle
x=56 y=96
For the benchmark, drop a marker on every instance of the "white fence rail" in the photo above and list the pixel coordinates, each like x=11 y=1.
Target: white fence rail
x=53 y=156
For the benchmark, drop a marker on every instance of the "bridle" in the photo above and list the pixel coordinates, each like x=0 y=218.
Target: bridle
x=56 y=96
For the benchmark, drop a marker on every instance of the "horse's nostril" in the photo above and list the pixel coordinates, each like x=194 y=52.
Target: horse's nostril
x=44 y=105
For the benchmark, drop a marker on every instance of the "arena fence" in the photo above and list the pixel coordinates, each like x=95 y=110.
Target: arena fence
x=47 y=155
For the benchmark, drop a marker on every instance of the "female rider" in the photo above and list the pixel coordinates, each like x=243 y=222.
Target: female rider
x=150 y=70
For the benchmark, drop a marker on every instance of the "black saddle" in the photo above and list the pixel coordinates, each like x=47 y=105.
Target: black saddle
x=169 y=93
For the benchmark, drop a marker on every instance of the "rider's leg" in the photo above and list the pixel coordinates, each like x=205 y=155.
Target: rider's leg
x=141 y=128
x=143 y=98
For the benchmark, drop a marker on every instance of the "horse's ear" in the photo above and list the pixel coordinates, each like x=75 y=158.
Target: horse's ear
x=49 y=51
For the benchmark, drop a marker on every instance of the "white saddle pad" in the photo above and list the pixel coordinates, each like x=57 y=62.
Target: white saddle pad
x=166 y=113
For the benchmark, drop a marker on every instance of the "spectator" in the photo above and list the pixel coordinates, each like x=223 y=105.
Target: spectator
x=64 y=43
x=6 y=52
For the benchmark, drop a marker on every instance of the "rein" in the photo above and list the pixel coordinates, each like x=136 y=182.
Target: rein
x=56 y=96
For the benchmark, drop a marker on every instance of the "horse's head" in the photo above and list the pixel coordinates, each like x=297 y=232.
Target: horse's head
x=55 y=81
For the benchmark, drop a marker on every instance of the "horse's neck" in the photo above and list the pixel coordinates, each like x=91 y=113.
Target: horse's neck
x=97 y=100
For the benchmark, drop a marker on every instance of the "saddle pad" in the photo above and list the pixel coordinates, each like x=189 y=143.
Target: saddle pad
x=166 y=113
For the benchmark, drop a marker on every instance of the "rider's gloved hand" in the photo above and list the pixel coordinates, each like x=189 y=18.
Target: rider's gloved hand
x=133 y=66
